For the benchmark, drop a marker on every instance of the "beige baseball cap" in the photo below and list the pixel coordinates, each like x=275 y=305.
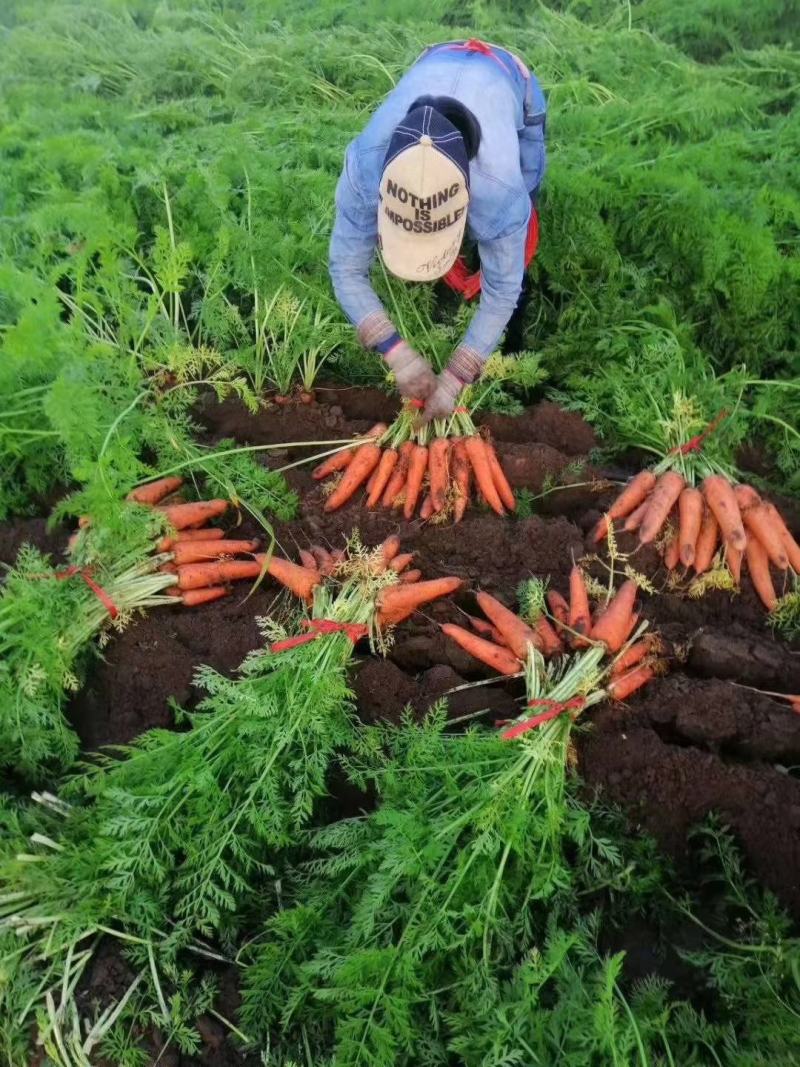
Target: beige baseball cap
x=424 y=197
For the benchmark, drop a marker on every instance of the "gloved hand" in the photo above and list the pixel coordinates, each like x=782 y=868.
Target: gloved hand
x=414 y=375
x=442 y=400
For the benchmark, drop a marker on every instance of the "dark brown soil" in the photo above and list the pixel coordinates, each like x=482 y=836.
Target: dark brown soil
x=691 y=744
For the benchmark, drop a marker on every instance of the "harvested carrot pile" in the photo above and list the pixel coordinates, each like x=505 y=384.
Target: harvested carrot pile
x=609 y=655
x=427 y=470
x=721 y=520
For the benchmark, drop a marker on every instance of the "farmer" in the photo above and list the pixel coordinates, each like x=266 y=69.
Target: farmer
x=457 y=146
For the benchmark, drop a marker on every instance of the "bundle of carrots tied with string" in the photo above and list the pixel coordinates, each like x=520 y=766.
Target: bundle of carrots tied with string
x=621 y=658
x=691 y=505
x=431 y=468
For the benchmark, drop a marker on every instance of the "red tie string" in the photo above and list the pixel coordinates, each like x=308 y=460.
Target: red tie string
x=418 y=405
x=694 y=444
x=461 y=410
x=474 y=45
x=554 y=708
x=99 y=592
x=321 y=628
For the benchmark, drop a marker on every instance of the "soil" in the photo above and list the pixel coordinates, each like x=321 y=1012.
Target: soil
x=691 y=744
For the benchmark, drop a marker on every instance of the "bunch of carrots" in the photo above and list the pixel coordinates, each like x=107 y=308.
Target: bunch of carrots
x=432 y=468
x=700 y=521
x=504 y=641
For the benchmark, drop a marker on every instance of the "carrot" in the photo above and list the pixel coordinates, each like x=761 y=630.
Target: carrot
x=612 y=625
x=398 y=476
x=627 y=684
x=193 y=598
x=762 y=526
x=364 y=462
x=399 y=563
x=733 y=560
x=634 y=520
x=298 y=580
x=548 y=641
x=485 y=629
x=426 y=509
x=390 y=547
x=633 y=655
x=475 y=448
x=790 y=546
x=337 y=462
x=383 y=472
x=515 y=633
x=411 y=576
x=397 y=602
x=690 y=518
x=204 y=533
x=706 y=541
x=307 y=560
x=417 y=465
x=580 y=615
x=338 y=555
x=154 y=492
x=195 y=551
x=721 y=498
x=504 y=490
x=746 y=497
x=201 y=575
x=629 y=499
x=662 y=499
x=672 y=552
x=168 y=568
x=439 y=471
x=197 y=514
x=758 y=565
x=499 y=659
x=559 y=608
x=461 y=478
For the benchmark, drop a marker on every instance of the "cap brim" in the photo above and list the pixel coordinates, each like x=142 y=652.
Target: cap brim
x=420 y=257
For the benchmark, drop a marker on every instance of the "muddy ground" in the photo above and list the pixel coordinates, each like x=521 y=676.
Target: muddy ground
x=692 y=743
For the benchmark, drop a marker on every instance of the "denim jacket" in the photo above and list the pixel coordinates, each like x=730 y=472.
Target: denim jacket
x=508 y=103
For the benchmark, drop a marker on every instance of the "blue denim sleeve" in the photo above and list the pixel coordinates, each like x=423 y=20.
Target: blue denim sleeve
x=502 y=268
x=352 y=248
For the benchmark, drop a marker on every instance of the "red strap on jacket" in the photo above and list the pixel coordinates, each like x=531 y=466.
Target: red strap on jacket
x=459 y=279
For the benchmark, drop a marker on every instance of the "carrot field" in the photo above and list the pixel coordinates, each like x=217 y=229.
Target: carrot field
x=331 y=740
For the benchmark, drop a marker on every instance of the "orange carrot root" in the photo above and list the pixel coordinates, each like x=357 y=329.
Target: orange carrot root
x=298 y=580
x=707 y=541
x=390 y=547
x=516 y=633
x=758 y=521
x=411 y=576
x=397 y=479
x=631 y=656
x=201 y=575
x=499 y=659
x=196 y=551
x=613 y=624
x=662 y=499
x=193 y=598
x=333 y=464
x=790 y=546
x=629 y=499
x=439 y=471
x=758 y=566
x=154 y=492
x=417 y=465
x=383 y=473
x=363 y=463
x=580 y=615
x=462 y=476
x=634 y=520
x=559 y=608
x=198 y=514
x=397 y=602
x=501 y=484
x=548 y=641
x=733 y=560
x=672 y=552
x=475 y=448
x=307 y=560
x=400 y=562
x=426 y=510
x=690 y=518
x=627 y=684
x=721 y=498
